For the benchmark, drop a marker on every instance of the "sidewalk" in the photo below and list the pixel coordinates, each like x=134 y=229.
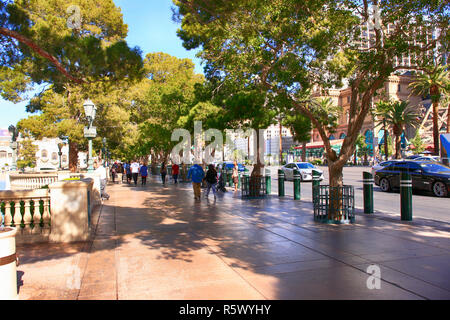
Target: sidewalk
x=158 y=243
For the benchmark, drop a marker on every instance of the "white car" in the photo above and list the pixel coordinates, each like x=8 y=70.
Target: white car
x=305 y=169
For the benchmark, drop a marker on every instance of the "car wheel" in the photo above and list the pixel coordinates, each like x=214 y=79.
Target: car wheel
x=384 y=185
x=439 y=189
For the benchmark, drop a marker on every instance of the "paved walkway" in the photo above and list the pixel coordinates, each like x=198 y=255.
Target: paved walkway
x=159 y=243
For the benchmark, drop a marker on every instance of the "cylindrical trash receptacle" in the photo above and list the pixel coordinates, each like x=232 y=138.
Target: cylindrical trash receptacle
x=268 y=182
x=8 y=264
x=281 y=178
x=406 y=196
x=296 y=184
x=368 y=192
x=230 y=177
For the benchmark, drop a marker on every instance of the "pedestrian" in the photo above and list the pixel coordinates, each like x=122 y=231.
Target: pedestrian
x=197 y=174
x=128 y=172
x=135 y=171
x=175 y=172
x=211 y=180
x=100 y=171
x=144 y=173
x=163 y=172
x=235 y=175
x=120 y=172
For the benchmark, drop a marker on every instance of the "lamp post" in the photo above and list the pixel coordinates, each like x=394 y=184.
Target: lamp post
x=90 y=132
x=13 y=145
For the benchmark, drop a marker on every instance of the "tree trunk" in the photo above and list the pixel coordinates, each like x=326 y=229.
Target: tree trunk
x=436 y=128
x=448 y=118
x=386 y=146
x=336 y=181
x=73 y=157
x=304 y=151
x=258 y=165
x=398 y=146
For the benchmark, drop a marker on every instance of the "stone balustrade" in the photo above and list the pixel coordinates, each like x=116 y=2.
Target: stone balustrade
x=28 y=211
x=28 y=181
x=61 y=213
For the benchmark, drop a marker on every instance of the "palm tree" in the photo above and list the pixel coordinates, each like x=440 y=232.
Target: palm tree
x=397 y=114
x=434 y=83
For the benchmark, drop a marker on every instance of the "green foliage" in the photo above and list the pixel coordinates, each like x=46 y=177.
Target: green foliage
x=27 y=154
x=418 y=144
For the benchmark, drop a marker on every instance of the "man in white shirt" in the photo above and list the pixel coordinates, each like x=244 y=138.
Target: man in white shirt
x=100 y=171
x=135 y=171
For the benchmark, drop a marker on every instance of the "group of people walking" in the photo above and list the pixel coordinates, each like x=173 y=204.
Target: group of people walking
x=131 y=171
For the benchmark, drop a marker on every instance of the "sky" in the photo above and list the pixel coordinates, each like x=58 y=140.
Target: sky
x=150 y=27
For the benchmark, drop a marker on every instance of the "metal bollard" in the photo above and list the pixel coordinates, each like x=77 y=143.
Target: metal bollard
x=406 y=196
x=268 y=182
x=315 y=183
x=230 y=178
x=296 y=185
x=8 y=264
x=281 y=178
x=368 y=192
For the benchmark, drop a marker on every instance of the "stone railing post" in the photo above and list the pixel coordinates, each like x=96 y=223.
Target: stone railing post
x=70 y=209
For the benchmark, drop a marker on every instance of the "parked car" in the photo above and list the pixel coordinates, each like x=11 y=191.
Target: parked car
x=413 y=157
x=229 y=165
x=428 y=158
x=381 y=165
x=426 y=176
x=305 y=168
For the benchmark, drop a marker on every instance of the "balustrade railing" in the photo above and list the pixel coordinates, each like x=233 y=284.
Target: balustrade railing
x=28 y=211
x=37 y=181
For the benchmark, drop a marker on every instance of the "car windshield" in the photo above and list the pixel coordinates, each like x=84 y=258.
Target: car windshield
x=305 y=166
x=434 y=167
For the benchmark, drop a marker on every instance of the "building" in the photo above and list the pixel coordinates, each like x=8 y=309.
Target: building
x=47 y=155
x=6 y=153
x=395 y=88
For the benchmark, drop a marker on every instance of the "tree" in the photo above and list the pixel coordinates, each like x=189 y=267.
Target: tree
x=163 y=102
x=287 y=47
x=434 y=83
x=418 y=144
x=87 y=60
x=300 y=127
x=27 y=154
x=397 y=114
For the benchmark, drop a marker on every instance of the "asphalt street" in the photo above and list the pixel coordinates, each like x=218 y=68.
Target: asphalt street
x=424 y=205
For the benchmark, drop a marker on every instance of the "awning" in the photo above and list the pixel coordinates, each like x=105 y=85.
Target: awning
x=445 y=141
x=319 y=145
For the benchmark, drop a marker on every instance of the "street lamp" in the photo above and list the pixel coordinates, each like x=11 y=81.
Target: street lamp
x=13 y=145
x=90 y=132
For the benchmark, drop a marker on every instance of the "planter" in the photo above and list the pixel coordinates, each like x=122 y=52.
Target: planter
x=253 y=187
x=8 y=264
x=334 y=205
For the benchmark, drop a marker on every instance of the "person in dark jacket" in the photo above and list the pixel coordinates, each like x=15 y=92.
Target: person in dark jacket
x=211 y=180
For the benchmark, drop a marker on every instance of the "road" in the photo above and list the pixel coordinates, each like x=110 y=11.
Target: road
x=424 y=205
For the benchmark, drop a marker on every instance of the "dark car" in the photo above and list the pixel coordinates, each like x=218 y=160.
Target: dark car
x=426 y=176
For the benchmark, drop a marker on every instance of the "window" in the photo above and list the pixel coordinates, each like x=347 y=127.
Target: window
x=64 y=158
x=305 y=166
x=44 y=154
x=54 y=156
x=399 y=88
x=3 y=154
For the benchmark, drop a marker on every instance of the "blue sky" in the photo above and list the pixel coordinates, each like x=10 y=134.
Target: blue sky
x=150 y=27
